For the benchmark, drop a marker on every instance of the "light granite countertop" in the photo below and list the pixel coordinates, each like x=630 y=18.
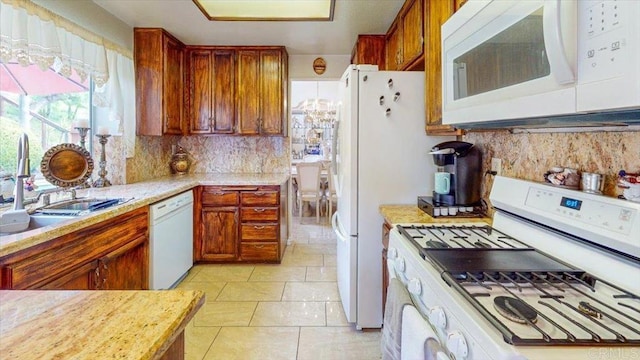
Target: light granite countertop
x=136 y=195
x=93 y=324
x=411 y=214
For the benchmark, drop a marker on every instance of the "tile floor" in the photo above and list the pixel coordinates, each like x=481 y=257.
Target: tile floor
x=286 y=311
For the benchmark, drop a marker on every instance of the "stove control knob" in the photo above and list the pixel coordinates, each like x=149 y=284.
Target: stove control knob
x=400 y=265
x=437 y=317
x=457 y=345
x=415 y=287
x=392 y=253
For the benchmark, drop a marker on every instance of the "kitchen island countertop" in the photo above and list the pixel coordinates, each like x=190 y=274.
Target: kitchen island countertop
x=94 y=324
x=135 y=195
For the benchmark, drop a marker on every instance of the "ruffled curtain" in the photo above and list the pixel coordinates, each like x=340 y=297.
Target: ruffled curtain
x=118 y=95
x=30 y=33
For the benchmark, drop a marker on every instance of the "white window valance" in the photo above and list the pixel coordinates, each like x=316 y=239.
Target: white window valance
x=32 y=34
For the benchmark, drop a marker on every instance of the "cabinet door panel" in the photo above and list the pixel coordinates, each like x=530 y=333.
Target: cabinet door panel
x=123 y=269
x=149 y=81
x=412 y=28
x=172 y=94
x=272 y=104
x=201 y=96
x=223 y=92
x=394 y=48
x=437 y=12
x=219 y=233
x=248 y=92
x=84 y=277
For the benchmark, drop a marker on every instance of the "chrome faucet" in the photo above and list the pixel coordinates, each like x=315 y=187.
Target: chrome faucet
x=23 y=171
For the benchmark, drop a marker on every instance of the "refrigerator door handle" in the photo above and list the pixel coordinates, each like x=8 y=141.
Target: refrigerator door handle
x=336 y=228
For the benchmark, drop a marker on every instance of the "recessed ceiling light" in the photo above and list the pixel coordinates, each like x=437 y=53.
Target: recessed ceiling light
x=267 y=10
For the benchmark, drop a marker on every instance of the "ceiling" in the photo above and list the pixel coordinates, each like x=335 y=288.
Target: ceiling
x=184 y=20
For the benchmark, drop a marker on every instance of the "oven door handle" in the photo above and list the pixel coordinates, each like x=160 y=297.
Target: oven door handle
x=555 y=43
x=336 y=228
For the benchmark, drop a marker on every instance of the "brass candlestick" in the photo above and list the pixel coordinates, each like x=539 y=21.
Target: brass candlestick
x=102 y=181
x=83 y=133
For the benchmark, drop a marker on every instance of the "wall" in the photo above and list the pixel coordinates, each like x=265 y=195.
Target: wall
x=301 y=67
x=529 y=156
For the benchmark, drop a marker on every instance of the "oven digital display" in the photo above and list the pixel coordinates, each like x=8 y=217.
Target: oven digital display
x=570 y=203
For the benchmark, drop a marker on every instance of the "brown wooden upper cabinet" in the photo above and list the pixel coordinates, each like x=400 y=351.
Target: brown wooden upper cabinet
x=405 y=38
x=261 y=93
x=205 y=90
x=211 y=79
x=369 y=49
x=436 y=13
x=159 y=62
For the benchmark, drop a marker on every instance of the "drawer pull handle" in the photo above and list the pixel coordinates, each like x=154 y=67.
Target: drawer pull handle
x=260 y=194
x=240 y=188
x=259 y=227
x=259 y=246
x=259 y=210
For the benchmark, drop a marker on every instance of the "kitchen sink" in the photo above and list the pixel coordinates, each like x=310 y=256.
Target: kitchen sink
x=78 y=206
x=37 y=221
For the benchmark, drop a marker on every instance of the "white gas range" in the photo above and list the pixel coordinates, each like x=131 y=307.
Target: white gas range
x=557 y=276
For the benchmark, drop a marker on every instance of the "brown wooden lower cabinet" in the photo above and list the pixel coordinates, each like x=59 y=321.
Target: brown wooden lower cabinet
x=219 y=233
x=113 y=254
x=238 y=224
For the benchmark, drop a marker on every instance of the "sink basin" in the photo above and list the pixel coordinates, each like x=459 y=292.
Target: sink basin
x=76 y=206
x=37 y=221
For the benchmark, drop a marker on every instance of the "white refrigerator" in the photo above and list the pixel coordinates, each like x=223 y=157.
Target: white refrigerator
x=380 y=157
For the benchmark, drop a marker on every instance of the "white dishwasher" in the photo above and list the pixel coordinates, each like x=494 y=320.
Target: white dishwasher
x=170 y=240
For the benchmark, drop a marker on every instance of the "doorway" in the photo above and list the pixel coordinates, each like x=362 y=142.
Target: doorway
x=313 y=114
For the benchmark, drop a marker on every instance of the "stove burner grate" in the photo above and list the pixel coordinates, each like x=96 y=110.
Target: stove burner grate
x=584 y=311
x=515 y=310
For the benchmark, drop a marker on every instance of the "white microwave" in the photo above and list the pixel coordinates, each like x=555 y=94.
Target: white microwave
x=534 y=62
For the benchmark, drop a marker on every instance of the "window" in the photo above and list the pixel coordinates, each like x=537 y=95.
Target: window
x=47 y=107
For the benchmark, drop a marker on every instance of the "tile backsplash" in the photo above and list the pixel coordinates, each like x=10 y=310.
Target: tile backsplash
x=529 y=155
x=209 y=154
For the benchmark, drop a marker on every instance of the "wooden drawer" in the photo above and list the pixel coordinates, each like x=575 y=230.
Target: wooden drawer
x=215 y=196
x=259 y=232
x=260 y=198
x=259 y=251
x=262 y=214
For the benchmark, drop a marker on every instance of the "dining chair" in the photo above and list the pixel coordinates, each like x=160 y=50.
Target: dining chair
x=309 y=185
x=330 y=194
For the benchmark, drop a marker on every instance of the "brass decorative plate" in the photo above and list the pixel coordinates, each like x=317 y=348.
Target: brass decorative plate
x=67 y=165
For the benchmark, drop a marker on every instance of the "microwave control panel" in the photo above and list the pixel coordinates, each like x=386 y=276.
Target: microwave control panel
x=603 y=39
x=608 y=55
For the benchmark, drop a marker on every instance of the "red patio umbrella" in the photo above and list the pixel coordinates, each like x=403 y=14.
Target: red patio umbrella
x=31 y=80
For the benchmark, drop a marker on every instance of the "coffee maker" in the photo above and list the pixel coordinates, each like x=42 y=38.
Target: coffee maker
x=459 y=174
